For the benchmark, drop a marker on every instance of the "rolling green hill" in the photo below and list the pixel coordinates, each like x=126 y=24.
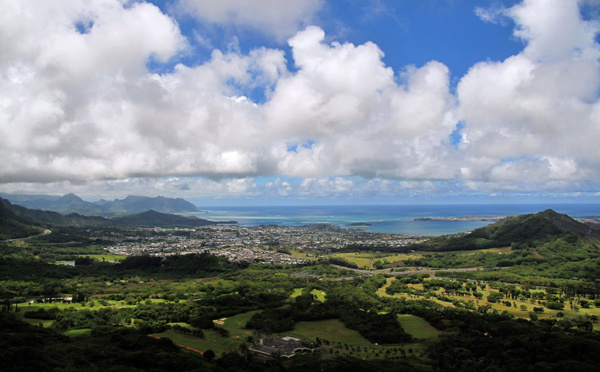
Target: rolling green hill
x=54 y=218
x=522 y=231
x=153 y=218
x=18 y=221
x=14 y=226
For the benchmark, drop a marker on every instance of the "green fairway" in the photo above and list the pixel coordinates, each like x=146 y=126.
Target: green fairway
x=297 y=292
x=76 y=306
x=78 y=332
x=37 y=322
x=319 y=295
x=105 y=257
x=333 y=330
x=365 y=260
x=236 y=325
x=237 y=335
x=417 y=327
x=210 y=341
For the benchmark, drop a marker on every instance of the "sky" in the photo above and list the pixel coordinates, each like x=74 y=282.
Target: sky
x=302 y=101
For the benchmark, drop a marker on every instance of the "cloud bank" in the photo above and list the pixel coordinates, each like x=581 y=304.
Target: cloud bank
x=79 y=104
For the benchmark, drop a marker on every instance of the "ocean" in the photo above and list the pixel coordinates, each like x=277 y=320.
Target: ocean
x=391 y=219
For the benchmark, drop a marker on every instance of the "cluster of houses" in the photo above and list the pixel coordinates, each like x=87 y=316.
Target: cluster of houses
x=49 y=300
x=248 y=243
x=286 y=347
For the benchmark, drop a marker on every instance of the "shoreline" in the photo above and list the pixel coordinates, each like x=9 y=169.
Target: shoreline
x=461 y=219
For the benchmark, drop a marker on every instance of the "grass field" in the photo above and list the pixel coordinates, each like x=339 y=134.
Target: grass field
x=304 y=255
x=516 y=311
x=37 y=322
x=524 y=314
x=236 y=325
x=78 y=332
x=76 y=306
x=417 y=327
x=344 y=341
x=340 y=339
x=319 y=295
x=105 y=257
x=366 y=260
x=297 y=292
x=210 y=341
x=331 y=329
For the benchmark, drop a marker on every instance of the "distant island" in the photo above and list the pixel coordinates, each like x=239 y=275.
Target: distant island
x=358 y=224
x=462 y=219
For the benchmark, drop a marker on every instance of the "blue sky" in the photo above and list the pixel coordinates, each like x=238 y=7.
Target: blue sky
x=302 y=102
x=408 y=32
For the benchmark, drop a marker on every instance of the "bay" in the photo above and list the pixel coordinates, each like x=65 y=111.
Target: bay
x=391 y=219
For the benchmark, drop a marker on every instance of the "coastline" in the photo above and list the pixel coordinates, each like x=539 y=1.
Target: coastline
x=461 y=219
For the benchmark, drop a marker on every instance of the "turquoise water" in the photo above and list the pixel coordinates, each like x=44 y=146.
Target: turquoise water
x=392 y=219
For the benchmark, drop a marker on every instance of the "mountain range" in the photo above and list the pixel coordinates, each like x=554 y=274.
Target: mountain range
x=17 y=221
x=72 y=203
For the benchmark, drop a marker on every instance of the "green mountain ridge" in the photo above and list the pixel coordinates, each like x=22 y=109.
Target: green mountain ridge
x=521 y=231
x=13 y=226
x=55 y=218
x=71 y=203
x=154 y=219
x=17 y=221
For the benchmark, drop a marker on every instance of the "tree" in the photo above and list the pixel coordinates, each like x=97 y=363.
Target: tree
x=209 y=355
x=495 y=297
x=533 y=316
x=378 y=265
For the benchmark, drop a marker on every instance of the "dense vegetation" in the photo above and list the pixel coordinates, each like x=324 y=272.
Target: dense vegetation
x=152 y=218
x=528 y=230
x=535 y=308
x=20 y=220
x=13 y=226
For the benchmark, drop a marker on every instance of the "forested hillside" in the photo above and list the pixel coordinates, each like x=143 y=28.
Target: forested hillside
x=14 y=226
x=202 y=298
x=519 y=231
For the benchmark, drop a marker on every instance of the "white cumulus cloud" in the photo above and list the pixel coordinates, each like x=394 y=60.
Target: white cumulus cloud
x=280 y=19
x=534 y=115
x=79 y=104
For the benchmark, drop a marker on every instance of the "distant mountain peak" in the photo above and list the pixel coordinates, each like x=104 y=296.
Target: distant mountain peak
x=567 y=224
x=545 y=223
x=71 y=197
x=71 y=203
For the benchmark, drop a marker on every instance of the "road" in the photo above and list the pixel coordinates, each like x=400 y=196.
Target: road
x=45 y=232
x=407 y=272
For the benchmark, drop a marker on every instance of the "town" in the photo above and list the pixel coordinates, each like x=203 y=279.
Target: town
x=266 y=244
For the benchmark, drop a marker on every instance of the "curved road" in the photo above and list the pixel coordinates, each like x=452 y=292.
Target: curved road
x=45 y=232
x=408 y=272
